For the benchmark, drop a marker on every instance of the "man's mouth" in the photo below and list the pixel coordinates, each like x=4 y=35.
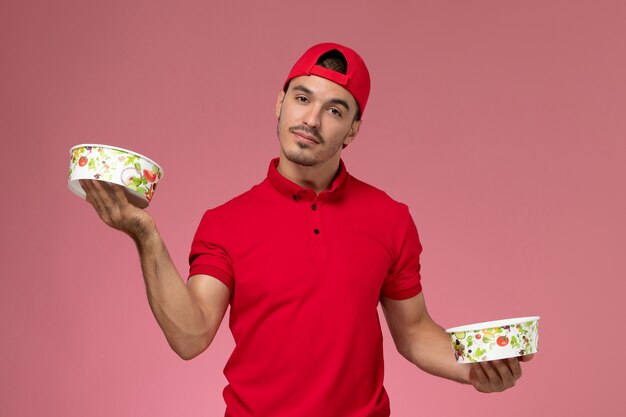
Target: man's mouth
x=306 y=136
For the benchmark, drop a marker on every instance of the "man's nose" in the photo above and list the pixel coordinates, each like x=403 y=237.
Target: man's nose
x=312 y=116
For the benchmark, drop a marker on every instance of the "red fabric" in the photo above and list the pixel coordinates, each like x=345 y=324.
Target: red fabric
x=357 y=77
x=304 y=304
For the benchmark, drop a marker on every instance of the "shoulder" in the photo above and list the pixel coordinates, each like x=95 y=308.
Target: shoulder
x=238 y=205
x=370 y=206
x=374 y=197
x=223 y=220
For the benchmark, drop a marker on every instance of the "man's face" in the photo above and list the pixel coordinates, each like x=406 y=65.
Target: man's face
x=315 y=120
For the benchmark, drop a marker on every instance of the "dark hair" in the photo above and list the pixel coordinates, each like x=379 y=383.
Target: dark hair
x=334 y=60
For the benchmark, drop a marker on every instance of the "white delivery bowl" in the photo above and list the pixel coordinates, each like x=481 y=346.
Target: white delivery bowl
x=138 y=174
x=494 y=340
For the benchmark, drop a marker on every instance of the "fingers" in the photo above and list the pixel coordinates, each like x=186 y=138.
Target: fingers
x=115 y=210
x=494 y=371
x=515 y=368
x=104 y=192
x=108 y=200
x=120 y=195
x=495 y=376
x=526 y=358
x=98 y=197
x=478 y=377
x=91 y=194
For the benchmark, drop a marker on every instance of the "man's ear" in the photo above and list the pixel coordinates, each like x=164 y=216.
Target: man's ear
x=279 y=103
x=354 y=130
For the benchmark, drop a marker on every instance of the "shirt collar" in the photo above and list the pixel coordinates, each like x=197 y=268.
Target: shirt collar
x=296 y=192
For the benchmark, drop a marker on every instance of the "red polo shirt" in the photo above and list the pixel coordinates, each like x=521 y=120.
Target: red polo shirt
x=306 y=273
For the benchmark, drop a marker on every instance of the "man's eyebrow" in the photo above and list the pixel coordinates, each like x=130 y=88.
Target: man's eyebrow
x=331 y=101
x=340 y=102
x=303 y=89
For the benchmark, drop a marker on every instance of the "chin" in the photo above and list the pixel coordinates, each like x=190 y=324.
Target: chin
x=300 y=159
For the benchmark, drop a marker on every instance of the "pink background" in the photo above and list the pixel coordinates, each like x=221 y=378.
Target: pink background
x=501 y=124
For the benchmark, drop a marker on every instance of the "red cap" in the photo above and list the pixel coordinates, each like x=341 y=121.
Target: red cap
x=356 y=79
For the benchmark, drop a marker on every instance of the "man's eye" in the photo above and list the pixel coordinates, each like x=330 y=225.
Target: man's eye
x=335 y=112
x=301 y=99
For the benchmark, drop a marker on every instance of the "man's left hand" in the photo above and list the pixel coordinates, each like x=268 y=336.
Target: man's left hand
x=496 y=376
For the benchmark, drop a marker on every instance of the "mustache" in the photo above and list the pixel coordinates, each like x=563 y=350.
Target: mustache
x=308 y=131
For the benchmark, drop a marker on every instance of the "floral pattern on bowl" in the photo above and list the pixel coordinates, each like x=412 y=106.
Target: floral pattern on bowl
x=495 y=340
x=115 y=165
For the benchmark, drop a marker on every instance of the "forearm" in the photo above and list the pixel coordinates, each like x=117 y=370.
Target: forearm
x=429 y=348
x=423 y=342
x=178 y=314
x=187 y=328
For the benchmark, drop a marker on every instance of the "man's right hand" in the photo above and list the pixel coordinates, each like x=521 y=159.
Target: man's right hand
x=115 y=210
x=189 y=315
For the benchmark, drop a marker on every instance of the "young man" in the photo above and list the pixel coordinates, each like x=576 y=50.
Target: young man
x=303 y=259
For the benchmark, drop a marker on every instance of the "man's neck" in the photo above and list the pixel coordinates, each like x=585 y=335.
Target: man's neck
x=317 y=178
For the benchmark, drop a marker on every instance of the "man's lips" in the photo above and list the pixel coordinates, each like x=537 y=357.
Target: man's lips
x=305 y=136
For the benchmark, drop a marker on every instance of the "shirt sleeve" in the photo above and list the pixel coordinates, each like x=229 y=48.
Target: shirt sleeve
x=208 y=255
x=404 y=280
